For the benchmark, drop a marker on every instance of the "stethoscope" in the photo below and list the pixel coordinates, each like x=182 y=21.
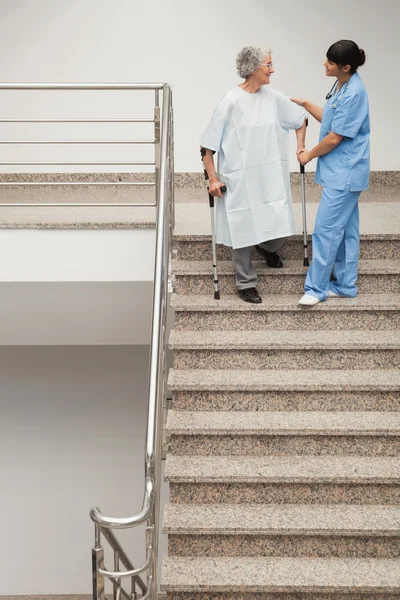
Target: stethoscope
x=339 y=94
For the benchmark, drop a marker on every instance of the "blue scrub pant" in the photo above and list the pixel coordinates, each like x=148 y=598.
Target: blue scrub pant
x=335 y=243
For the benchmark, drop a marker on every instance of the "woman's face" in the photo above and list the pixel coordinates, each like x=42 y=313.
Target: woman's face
x=333 y=70
x=263 y=73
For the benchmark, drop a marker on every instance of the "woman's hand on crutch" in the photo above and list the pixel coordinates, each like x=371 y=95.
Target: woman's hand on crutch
x=216 y=188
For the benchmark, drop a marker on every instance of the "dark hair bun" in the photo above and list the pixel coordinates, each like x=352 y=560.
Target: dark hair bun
x=362 y=57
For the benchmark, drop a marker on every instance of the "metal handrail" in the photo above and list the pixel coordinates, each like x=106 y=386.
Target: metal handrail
x=155 y=87
x=116 y=546
x=82 y=86
x=125 y=523
x=157 y=387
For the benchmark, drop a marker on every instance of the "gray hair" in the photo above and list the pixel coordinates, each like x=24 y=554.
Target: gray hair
x=249 y=59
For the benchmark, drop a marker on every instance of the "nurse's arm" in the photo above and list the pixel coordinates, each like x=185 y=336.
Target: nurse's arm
x=326 y=145
x=313 y=109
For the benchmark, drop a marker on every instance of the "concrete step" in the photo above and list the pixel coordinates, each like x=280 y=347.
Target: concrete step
x=368 y=311
x=296 y=390
x=251 y=578
x=294 y=469
x=284 y=433
x=195 y=277
x=283 y=480
x=285 y=349
x=372 y=247
x=283 y=530
x=288 y=520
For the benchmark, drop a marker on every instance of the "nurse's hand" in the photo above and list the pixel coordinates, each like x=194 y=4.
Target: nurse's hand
x=299 y=101
x=214 y=188
x=304 y=157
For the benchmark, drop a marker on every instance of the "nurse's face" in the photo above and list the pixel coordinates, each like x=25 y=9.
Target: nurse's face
x=333 y=70
x=263 y=73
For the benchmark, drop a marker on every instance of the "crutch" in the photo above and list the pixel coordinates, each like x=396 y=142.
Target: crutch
x=306 y=262
x=214 y=244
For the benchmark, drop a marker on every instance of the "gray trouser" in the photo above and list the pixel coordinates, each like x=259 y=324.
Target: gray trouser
x=246 y=276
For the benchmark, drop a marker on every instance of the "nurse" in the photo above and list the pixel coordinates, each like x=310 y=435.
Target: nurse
x=249 y=129
x=343 y=171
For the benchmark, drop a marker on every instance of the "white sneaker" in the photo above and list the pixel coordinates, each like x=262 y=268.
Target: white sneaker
x=335 y=295
x=308 y=300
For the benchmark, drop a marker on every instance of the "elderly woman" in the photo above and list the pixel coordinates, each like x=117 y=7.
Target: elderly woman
x=249 y=129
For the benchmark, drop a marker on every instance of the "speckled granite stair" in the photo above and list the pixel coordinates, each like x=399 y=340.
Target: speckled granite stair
x=284 y=433
x=283 y=530
x=195 y=277
x=323 y=390
x=372 y=247
x=281 y=312
x=286 y=349
x=257 y=576
x=283 y=479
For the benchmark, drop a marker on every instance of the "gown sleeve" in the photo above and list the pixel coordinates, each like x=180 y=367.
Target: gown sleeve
x=213 y=134
x=350 y=114
x=290 y=114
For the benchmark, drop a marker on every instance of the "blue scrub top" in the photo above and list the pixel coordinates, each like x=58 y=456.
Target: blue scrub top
x=346 y=113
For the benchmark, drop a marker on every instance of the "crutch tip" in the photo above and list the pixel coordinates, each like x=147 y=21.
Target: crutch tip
x=306 y=262
x=217 y=296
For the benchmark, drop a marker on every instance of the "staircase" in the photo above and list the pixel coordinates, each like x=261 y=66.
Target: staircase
x=284 y=467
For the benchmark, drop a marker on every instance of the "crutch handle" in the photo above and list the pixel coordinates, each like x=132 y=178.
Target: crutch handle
x=211 y=198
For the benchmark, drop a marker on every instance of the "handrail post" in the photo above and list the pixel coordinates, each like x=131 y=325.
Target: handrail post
x=97 y=564
x=171 y=192
x=133 y=589
x=117 y=588
x=157 y=137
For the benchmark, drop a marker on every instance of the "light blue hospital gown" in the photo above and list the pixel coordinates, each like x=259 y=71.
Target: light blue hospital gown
x=343 y=173
x=250 y=132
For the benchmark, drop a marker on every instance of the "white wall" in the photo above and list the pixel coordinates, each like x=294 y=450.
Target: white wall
x=75 y=313
x=192 y=45
x=71 y=437
x=77 y=255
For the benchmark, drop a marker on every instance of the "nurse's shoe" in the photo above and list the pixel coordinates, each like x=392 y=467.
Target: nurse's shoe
x=335 y=295
x=250 y=295
x=308 y=300
x=272 y=259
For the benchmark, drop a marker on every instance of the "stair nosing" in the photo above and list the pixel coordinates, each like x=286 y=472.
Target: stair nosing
x=231 y=303
x=349 y=340
x=196 y=237
x=277 y=469
x=281 y=520
x=269 y=423
x=292 y=267
x=280 y=574
x=287 y=380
